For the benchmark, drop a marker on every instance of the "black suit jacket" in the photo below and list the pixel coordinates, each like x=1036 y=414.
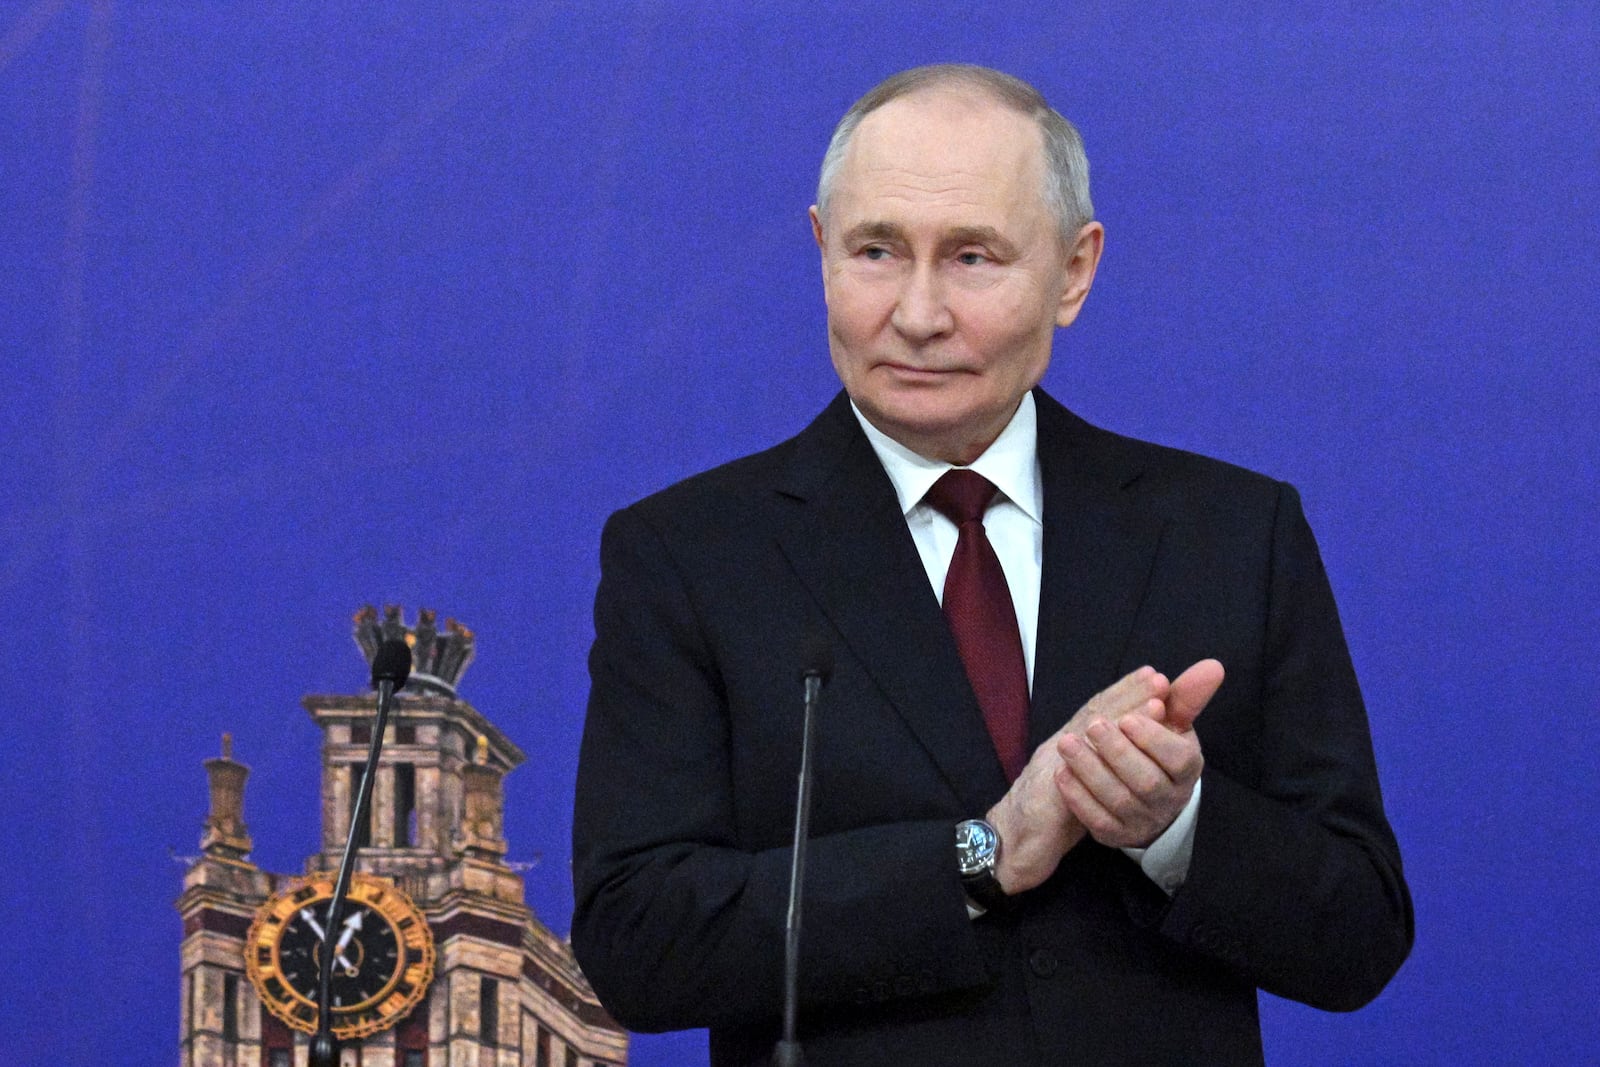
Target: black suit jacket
x=686 y=779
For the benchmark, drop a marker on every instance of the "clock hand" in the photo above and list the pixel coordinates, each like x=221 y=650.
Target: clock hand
x=351 y=925
x=311 y=921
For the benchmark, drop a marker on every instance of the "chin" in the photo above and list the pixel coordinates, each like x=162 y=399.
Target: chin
x=927 y=432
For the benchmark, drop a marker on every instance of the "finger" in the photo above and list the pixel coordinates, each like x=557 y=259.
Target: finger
x=1090 y=769
x=1176 y=756
x=1130 y=691
x=1157 y=793
x=1144 y=694
x=1135 y=771
x=1152 y=708
x=1085 y=807
x=1191 y=691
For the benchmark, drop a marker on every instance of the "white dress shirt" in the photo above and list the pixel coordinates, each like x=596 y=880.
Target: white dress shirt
x=1014 y=524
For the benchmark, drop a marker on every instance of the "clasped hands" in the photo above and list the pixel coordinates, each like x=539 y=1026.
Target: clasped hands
x=1120 y=770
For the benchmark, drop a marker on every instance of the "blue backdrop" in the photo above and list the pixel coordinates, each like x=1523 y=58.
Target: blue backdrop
x=309 y=305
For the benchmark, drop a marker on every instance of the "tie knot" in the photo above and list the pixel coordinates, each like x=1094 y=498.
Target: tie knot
x=961 y=495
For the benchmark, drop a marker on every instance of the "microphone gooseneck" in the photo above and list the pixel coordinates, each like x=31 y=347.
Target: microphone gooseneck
x=391 y=666
x=816 y=668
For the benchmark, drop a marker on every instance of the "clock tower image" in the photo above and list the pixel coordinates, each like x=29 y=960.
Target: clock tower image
x=438 y=961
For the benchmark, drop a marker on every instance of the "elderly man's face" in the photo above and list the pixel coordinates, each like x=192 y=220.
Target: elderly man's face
x=944 y=271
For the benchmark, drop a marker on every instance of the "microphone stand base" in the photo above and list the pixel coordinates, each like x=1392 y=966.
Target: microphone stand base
x=787 y=1054
x=324 y=1052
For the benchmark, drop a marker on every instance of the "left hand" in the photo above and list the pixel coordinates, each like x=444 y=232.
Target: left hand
x=1127 y=780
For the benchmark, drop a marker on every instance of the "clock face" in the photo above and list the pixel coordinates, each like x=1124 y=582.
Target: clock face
x=382 y=955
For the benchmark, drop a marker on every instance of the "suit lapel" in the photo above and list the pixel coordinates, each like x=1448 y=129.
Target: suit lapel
x=849 y=545
x=1099 y=547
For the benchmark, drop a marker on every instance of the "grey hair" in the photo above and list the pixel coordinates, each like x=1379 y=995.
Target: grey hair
x=1066 y=190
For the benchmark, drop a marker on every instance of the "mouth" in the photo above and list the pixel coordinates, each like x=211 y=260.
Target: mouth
x=914 y=373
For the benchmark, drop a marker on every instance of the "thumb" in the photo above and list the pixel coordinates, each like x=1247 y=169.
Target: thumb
x=1190 y=692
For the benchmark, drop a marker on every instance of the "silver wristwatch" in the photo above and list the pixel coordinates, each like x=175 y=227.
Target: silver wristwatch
x=977 y=852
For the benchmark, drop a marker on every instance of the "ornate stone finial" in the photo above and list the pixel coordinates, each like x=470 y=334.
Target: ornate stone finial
x=438 y=660
x=225 y=833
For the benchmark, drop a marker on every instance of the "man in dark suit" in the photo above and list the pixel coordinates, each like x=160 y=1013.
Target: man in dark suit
x=1003 y=586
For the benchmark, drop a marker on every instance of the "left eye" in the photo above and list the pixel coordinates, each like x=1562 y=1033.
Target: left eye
x=971 y=259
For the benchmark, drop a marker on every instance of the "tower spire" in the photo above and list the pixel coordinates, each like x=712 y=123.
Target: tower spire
x=225 y=834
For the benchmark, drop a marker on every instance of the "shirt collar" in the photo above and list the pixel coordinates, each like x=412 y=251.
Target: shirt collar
x=1011 y=462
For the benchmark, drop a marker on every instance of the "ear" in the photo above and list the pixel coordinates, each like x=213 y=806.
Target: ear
x=1083 y=257
x=816 y=235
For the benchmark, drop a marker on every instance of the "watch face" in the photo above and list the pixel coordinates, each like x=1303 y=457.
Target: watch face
x=976 y=846
x=382 y=955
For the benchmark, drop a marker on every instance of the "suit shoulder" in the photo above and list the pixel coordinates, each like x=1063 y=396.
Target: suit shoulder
x=716 y=498
x=1127 y=460
x=1178 y=464
x=1188 y=484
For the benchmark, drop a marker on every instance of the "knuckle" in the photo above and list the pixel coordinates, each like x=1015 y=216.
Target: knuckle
x=1126 y=808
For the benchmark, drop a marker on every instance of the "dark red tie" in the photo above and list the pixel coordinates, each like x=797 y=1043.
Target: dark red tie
x=977 y=604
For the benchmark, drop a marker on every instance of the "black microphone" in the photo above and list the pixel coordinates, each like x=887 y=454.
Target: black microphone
x=391 y=666
x=392 y=662
x=816 y=658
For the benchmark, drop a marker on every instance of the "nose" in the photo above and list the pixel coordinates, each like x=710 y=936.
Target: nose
x=920 y=313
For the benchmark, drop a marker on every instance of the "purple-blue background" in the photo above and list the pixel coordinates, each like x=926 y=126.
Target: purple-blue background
x=308 y=305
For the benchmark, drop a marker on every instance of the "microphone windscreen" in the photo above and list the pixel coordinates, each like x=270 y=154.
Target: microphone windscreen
x=816 y=657
x=392 y=662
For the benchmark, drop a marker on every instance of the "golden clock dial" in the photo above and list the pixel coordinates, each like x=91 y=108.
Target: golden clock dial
x=382 y=954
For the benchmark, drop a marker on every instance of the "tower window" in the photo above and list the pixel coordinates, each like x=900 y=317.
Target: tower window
x=230 y=1007
x=405 y=805
x=488 y=1011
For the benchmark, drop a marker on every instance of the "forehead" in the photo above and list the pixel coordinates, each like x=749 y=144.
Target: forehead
x=962 y=158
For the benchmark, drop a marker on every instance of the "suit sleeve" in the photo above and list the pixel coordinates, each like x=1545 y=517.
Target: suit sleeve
x=1295 y=878
x=678 y=923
